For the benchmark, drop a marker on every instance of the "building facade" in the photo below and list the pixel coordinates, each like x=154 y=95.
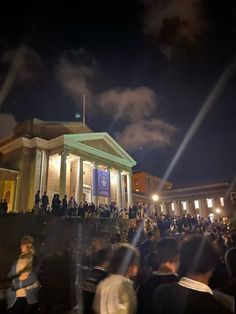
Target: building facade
x=212 y=200
x=65 y=158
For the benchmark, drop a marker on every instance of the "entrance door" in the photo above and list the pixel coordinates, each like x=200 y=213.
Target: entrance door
x=87 y=194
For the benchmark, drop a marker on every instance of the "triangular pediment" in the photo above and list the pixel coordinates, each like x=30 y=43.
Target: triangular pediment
x=102 y=145
x=101 y=142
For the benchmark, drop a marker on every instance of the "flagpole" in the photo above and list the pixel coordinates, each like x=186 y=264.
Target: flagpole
x=84 y=107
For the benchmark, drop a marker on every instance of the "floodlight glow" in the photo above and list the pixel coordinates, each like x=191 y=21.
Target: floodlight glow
x=155 y=197
x=218 y=210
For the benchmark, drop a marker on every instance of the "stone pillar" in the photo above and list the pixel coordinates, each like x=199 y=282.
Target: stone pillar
x=123 y=205
x=118 y=187
x=80 y=180
x=164 y=208
x=129 y=189
x=16 y=194
x=190 y=207
x=45 y=172
x=108 y=199
x=202 y=211
x=94 y=197
x=42 y=172
x=62 y=183
x=177 y=208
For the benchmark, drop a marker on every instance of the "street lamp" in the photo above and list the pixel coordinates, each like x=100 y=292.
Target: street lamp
x=155 y=198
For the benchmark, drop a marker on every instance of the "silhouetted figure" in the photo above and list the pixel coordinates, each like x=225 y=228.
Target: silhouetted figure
x=45 y=202
x=37 y=200
x=95 y=275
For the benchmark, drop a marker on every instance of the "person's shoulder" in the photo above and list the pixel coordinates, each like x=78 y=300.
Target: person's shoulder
x=167 y=288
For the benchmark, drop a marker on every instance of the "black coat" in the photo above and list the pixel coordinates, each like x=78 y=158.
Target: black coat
x=175 y=299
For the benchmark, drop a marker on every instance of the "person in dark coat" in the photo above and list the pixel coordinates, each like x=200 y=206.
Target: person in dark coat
x=45 y=202
x=164 y=263
x=147 y=246
x=95 y=275
x=230 y=289
x=191 y=294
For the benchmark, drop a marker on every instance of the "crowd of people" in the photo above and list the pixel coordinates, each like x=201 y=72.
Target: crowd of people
x=189 y=272
x=170 y=264
x=3 y=207
x=69 y=207
x=187 y=267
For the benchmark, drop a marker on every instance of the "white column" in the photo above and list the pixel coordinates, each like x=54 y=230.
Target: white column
x=129 y=189
x=177 y=208
x=202 y=208
x=123 y=205
x=41 y=185
x=108 y=199
x=118 y=189
x=44 y=172
x=94 y=197
x=80 y=181
x=16 y=194
x=62 y=185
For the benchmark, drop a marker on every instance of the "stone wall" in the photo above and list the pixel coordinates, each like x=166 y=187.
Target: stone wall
x=60 y=244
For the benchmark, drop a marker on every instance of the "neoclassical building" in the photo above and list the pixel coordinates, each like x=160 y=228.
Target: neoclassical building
x=65 y=158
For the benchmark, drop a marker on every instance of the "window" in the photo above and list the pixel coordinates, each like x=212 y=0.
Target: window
x=222 y=203
x=173 y=207
x=233 y=197
x=196 y=204
x=209 y=202
x=184 y=205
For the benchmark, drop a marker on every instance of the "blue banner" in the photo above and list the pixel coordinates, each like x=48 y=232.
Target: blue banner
x=101 y=182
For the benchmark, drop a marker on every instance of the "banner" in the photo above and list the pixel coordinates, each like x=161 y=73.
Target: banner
x=101 y=182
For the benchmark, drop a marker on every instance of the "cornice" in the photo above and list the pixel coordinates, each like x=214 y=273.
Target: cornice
x=24 y=142
x=104 y=136
x=97 y=153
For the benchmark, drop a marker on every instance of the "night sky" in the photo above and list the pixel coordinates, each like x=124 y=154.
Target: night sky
x=146 y=67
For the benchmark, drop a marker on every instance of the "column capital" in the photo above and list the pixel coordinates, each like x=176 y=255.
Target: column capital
x=64 y=153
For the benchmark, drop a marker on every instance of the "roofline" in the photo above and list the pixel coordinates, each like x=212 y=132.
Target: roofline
x=9 y=170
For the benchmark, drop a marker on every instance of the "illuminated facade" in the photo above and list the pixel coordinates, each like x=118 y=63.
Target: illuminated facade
x=65 y=158
x=212 y=200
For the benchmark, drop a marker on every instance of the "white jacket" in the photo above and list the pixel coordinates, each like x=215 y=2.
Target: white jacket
x=115 y=295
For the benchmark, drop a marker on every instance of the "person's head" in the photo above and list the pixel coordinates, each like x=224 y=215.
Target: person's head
x=198 y=256
x=167 y=253
x=124 y=261
x=26 y=244
x=38 y=191
x=230 y=259
x=101 y=258
x=45 y=193
x=150 y=235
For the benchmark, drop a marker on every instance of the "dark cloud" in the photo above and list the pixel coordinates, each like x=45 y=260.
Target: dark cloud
x=171 y=21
